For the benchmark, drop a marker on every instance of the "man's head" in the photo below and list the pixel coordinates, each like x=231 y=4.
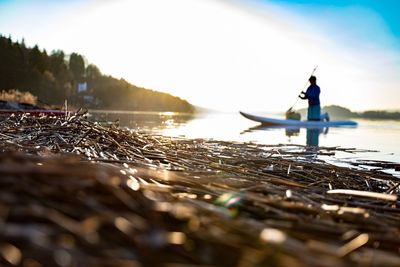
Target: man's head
x=313 y=80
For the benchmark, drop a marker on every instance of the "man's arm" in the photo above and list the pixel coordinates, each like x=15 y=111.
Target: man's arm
x=303 y=95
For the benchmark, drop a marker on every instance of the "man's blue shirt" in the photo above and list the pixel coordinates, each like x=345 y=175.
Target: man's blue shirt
x=312 y=94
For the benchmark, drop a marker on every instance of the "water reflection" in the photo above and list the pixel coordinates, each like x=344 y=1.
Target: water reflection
x=376 y=135
x=312 y=137
x=312 y=134
x=142 y=119
x=292 y=132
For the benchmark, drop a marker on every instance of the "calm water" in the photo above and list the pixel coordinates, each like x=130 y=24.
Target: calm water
x=382 y=136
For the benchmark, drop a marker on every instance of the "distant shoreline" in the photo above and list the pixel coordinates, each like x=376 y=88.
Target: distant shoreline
x=342 y=112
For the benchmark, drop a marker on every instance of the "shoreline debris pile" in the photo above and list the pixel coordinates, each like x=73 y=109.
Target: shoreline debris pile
x=78 y=193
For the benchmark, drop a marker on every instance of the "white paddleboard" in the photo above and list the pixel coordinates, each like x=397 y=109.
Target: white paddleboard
x=284 y=122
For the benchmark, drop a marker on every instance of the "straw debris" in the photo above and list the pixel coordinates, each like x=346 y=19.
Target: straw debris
x=81 y=193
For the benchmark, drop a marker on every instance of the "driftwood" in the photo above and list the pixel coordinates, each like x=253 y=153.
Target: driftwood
x=80 y=193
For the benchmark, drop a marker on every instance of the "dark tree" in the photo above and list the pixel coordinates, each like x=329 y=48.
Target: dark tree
x=54 y=78
x=77 y=67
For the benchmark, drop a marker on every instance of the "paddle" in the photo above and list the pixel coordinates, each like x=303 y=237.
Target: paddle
x=297 y=99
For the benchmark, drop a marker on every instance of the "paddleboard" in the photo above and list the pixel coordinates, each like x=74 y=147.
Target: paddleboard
x=283 y=122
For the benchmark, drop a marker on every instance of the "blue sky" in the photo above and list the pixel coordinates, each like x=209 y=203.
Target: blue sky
x=388 y=9
x=258 y=52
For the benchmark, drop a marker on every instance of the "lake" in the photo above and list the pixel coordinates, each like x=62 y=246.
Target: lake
x=379 y=138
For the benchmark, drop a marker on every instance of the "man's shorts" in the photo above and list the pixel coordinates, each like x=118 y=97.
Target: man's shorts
x=314 y=113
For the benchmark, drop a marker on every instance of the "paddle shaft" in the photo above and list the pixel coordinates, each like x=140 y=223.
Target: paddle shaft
x=304 y=87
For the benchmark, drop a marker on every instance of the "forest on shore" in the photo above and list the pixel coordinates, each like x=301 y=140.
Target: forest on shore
x=55 y=77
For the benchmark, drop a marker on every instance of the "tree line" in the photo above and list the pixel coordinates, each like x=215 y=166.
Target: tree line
x=55 y=77
x=338 y=112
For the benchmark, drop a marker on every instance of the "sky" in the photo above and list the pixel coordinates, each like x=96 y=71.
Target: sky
x=229 y=55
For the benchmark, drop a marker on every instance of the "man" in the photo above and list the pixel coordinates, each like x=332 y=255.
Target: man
x=312 y=94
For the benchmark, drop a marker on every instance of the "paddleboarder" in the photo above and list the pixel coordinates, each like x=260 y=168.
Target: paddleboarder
x=312 y=94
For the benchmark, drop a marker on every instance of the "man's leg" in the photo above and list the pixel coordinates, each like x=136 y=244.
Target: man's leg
x=314 y=113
